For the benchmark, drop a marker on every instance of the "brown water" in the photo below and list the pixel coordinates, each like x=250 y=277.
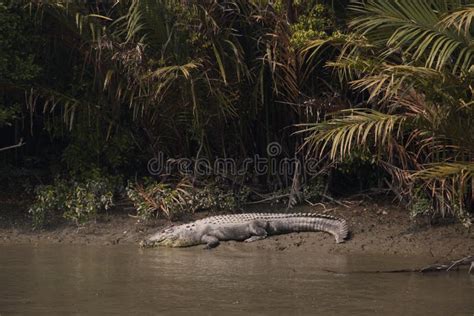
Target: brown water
x=61 y=279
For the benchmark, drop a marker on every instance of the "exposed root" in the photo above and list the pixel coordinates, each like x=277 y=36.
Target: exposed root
x=469 y=260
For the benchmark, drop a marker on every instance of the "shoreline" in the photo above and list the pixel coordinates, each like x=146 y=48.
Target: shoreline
x=375 y=228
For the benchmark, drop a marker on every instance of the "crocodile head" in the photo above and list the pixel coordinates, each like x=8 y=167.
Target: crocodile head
x=176 y=236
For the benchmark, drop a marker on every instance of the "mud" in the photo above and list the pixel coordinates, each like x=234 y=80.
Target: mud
x=376 y=228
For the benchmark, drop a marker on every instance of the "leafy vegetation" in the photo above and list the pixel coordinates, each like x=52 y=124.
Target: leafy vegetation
x=17 y=64
x=77 y=201
x=414 y=62
x=378 y=91
x=153 y=199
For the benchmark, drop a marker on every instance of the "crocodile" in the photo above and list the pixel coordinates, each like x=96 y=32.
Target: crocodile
x=246 y=227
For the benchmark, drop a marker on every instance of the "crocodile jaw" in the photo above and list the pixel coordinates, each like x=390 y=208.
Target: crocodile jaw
x=176 y=238
x=172 y=243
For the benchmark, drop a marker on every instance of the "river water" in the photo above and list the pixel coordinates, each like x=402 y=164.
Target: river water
x=64 y=279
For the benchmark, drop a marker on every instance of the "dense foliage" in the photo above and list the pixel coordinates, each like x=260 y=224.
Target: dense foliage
x=17 y=60
x=379 y=91
x=416 y=68
x=154 y=199
x=76 y=200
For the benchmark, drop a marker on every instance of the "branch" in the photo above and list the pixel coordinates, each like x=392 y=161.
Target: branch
x=469 y=260
x=21 y=143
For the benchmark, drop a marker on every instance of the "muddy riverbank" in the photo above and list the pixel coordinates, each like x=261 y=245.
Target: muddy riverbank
x=376 y=228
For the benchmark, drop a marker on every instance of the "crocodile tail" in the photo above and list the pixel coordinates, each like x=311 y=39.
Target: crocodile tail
x=338 y=227
x=342 y=232
x=309 y=222
x=335 y=226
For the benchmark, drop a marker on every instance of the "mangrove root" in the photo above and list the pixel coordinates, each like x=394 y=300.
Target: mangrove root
x=469 y=260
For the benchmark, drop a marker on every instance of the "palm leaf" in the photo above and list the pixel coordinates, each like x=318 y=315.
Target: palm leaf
x=440 y=171
x=414 y=27
x=461 y=20
x=352 y=129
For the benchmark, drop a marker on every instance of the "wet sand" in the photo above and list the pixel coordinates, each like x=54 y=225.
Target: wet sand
x=376 y=228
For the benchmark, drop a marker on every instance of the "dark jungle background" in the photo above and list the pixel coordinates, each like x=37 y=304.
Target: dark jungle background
x=379 y=91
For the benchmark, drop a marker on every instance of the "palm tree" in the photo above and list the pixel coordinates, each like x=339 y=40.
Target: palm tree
x=413 y=60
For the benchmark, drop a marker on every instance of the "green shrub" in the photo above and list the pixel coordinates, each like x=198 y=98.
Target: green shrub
x=77 y=201
x=154 y=199
x=85 y=200
x=316 y=23
x=314 y=189
x=49 y=200
x=420 y=204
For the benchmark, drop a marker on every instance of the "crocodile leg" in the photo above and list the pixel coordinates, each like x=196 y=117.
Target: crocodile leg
x=258 y=232
x=211 y=241
x=255 y=238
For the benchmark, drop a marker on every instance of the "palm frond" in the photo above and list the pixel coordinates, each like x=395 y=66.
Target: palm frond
x=414 y=27
x=352 y=129
x=175 y=71
x=390 y=81
x=440 y=171
x=451 y=184
x=461 y=20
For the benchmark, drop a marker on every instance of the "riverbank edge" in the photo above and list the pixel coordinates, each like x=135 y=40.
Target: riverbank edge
x=376 y=228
